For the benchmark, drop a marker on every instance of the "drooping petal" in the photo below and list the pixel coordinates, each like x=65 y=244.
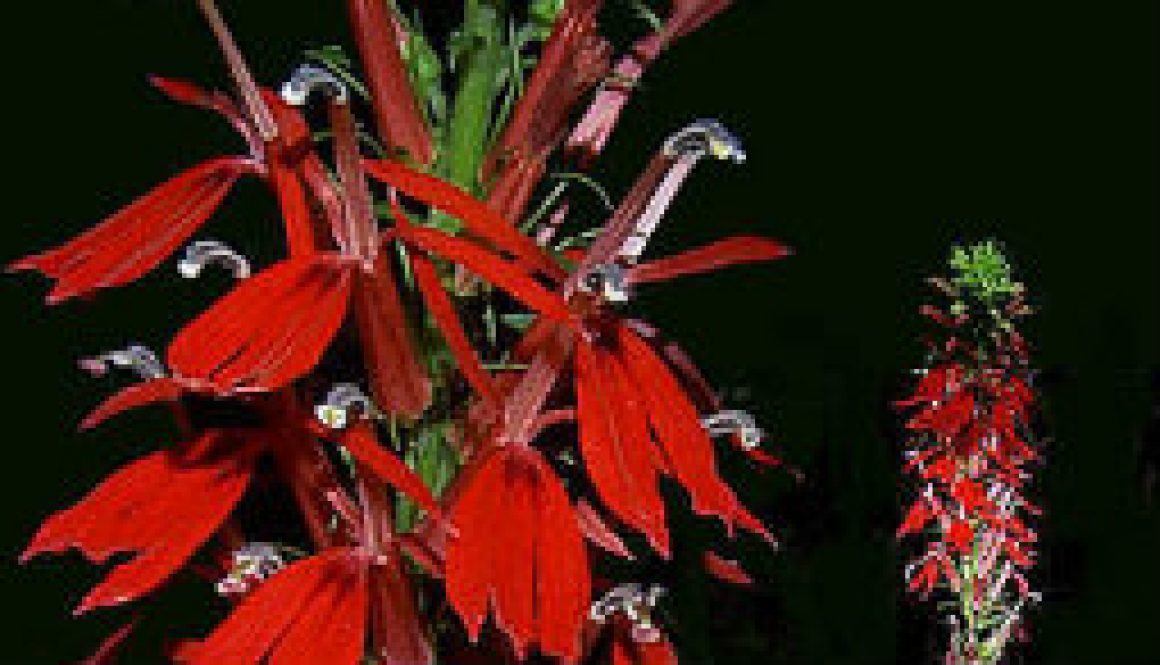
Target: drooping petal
x=138 y=237
x=331 y=629
x=398 y=117
x=141 y=394
x=501 y=273
x=563 y=583
x=268 y=331
x=365 y=448
x=673 y=417
x=469 y=568
x=519 y=543
x=720 y=254
x=616 y=445
x=286 y=601
x=161 y=508
x=477 y=217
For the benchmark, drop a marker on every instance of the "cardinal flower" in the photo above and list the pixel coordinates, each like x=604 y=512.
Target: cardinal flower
x=636 y=421
x=275 y=326
x=143 y=234
x=967 y=450
x=160 y=509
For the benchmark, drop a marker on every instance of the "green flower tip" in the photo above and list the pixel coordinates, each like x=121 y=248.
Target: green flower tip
x=982 y=271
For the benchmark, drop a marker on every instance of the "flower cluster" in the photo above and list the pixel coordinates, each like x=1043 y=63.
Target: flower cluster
x=509 y=420
x=969 y=452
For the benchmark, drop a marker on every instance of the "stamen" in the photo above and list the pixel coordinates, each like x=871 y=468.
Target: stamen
x=253 y=563
x=342 y=402
x=203 y=253
x=705 y=137
x=140 y=359
x=686 y=147
x=636 y=603
x=610 y=281
x=309 y=78
x=735 y=421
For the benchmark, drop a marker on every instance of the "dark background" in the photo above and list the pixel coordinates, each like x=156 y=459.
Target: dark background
x=878 y=133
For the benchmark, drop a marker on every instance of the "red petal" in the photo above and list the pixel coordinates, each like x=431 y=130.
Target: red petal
x=683 y=440
x=514 y=582
x=388 y=468
x=149 y=392
x=726 y=569
x=563 y=584
x=138 y=237
x=481 y=220
x=255 y=626
x=268 y=331
x=296 y=216
x=443 y=312
x=161 y=507
x=331 y=629
x=503 y=274
x=469 y=567
x=519 y=542
x=398 y=117
x=616 y=445
x=727 y=252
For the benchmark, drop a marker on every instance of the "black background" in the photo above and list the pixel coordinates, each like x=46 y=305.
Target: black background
x=878 y=133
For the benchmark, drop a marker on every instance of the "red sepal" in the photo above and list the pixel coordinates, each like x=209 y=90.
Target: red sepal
x=714 y=256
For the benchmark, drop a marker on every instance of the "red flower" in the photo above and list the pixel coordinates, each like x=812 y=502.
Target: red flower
x=275 y=327
x=161 y=508
x=623 y=388
x=314 y=611
x=143 y=234
x=960 y=536
x=519 y=549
